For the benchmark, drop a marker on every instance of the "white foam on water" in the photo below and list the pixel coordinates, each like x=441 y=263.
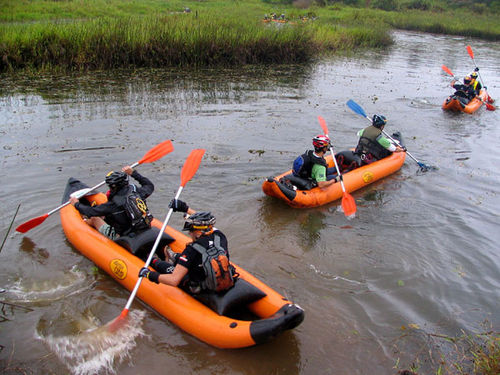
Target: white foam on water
x=98 y=350
x=49 y=290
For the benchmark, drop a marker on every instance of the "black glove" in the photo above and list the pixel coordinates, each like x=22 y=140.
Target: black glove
x=477 y=69
x=148 y=274
x=178 y=206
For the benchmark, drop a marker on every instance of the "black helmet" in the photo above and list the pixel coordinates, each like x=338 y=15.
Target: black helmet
x=378 y=121
x=203 y=221
x=116 y=180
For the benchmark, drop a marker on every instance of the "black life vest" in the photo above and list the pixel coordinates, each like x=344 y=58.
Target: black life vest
x=368 y=144
x=302 y=165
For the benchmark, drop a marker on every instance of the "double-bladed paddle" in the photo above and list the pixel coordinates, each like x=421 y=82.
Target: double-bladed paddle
x=489 y=106
x=355 y=107
x=490 y=99
x=188 y=171
x=348 y=203
x=152 y=155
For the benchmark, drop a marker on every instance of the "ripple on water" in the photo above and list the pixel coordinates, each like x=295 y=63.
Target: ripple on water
x=402 y=212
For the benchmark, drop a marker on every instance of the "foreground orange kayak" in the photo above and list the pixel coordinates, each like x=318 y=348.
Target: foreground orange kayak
x=217 y=325
x=453 y=103
x=356 y=179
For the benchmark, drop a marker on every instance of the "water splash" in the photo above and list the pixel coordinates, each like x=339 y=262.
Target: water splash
x=72 y=283
x=98 y=350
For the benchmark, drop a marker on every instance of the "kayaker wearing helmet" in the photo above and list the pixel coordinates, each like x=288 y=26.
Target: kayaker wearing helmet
x=469 y=89
x=188 y=270
x=475 y=84
x=312 y=164
x=111 y=218
x=372 y=144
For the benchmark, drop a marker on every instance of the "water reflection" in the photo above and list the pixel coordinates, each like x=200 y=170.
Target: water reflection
x=305 y=225
x=32 y=251
x=281 y=356
x=152 y=93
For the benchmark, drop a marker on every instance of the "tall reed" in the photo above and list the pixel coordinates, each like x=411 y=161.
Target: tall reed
x=173 y=40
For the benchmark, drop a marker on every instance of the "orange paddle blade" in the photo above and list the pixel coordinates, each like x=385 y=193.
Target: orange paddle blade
x=445 y=68
x=119 y=322
x=469 y=50
x=322 y=122
x=191 y=165
x=157 y=152
x=30 y=224
x=489 y=106
x=348 y=204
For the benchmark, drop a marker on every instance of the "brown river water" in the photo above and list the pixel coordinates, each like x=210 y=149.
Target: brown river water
x=419 y=262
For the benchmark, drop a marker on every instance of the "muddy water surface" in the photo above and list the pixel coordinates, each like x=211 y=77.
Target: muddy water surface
x=419 y=261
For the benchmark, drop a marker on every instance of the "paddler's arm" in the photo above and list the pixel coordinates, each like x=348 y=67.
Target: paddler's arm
x=146 y=188
x=172 y=279
x=99 y=210
x=319 y=175
x=389 y=145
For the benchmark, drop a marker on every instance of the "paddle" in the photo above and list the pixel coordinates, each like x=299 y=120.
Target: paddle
x=447 y=70
x=152 y=155
x=471 y=54
x=348 y=203
x=489 y=106
x=188 y=170
x=360 y=111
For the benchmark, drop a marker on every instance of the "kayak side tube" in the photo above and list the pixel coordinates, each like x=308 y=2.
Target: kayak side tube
x=274 y=313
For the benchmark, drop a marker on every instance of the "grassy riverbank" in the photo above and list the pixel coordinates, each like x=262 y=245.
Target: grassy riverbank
x=99 y=34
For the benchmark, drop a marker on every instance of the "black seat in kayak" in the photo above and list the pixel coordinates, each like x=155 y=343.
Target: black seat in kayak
x=141 y=244
x=238 y=296
x=299 y=182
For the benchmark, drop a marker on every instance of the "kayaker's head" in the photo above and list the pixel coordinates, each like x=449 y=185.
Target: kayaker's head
x=321 y=143
x=199 y=223
x=116 y=180
x=379 y=121
x=473 y=76
x=467 y=80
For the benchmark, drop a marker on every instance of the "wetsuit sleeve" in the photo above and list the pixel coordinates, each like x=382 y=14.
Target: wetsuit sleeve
x=99 y=210
x=318 y=172
x=147 y=186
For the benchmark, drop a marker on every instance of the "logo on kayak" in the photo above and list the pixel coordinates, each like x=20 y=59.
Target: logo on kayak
x=119 y=268
x=367 y=177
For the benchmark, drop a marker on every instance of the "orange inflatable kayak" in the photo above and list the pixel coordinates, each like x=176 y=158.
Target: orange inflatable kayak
x=454 y=104
x=353 y=180
x=218 y=325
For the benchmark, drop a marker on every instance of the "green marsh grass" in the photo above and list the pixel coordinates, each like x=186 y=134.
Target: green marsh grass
x=106 y=34
x=173 y=40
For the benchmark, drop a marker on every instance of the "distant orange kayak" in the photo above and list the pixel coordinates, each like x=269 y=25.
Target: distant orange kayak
x=453 y=103
x=353 y=180
x=272 y=312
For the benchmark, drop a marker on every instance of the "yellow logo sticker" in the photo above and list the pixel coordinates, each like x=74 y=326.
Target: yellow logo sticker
x=119 y=268
x=368 y=177
x=141 y=205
